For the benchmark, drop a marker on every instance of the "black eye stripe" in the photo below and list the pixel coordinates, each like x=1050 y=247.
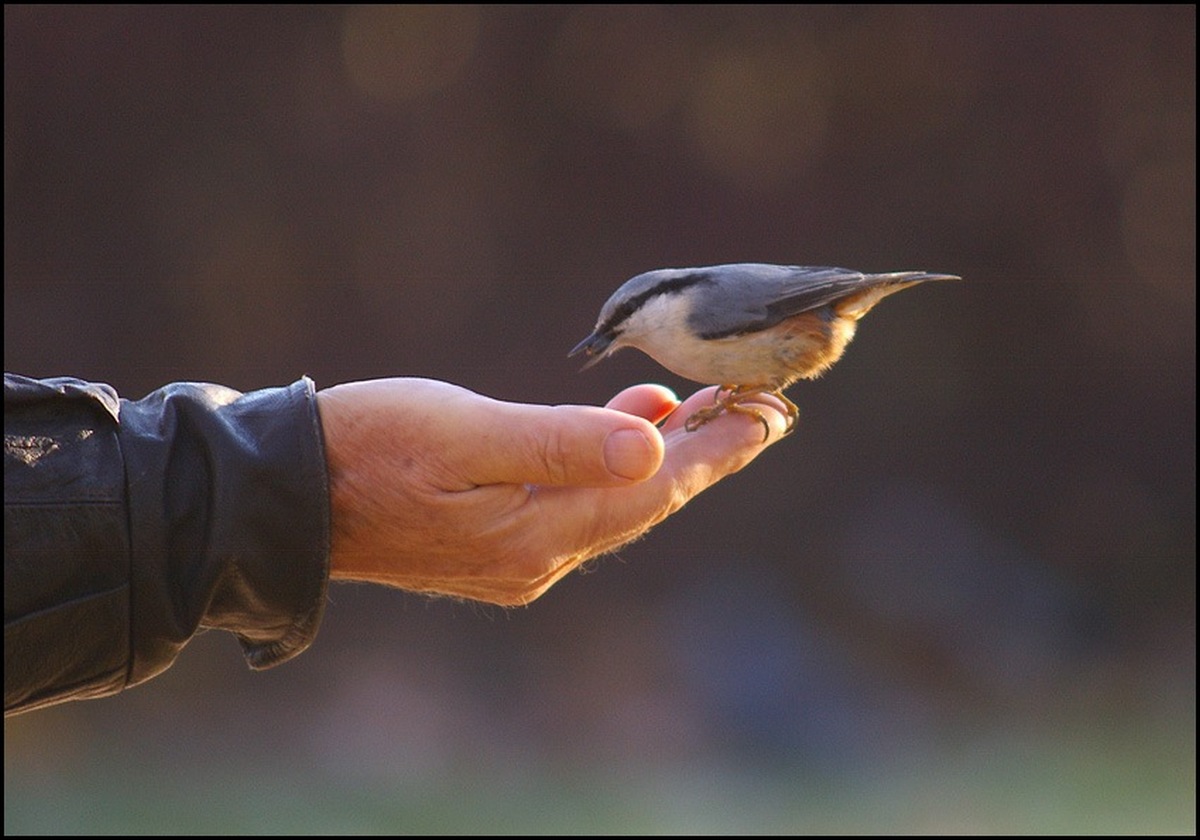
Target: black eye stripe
x=670 y=286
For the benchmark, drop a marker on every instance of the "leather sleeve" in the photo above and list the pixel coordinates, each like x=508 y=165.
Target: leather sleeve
x=129 y=526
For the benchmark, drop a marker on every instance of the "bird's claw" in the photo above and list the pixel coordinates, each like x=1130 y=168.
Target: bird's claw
x=732 y=401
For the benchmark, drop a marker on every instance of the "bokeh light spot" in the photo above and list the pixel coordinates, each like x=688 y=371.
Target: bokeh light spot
x=759 y=116
x=627 y=65
x=394 y=54
x=1159 y=203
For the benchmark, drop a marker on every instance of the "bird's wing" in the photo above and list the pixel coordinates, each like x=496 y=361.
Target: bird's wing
x=763 y=295
x=766 y=294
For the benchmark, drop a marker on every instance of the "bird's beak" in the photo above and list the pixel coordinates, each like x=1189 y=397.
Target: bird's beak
x=595 y=346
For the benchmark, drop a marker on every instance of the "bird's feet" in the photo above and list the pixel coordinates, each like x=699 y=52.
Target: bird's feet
x=732 y=401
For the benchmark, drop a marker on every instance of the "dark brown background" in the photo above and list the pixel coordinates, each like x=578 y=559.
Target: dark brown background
x=961 y=597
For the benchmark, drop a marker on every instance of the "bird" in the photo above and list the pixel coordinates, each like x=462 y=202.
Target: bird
x=750 y=328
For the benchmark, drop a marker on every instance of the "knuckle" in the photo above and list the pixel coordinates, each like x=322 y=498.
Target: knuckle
x=551 y=452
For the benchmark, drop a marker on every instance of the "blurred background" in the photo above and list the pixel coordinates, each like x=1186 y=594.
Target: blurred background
x=961 y=598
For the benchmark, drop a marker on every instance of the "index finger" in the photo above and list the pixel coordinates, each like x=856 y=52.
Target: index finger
x=590 y=521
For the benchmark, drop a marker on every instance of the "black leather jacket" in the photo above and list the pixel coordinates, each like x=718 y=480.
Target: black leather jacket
x=128 y=526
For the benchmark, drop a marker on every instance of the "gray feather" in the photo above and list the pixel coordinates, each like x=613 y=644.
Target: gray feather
x=754 y=296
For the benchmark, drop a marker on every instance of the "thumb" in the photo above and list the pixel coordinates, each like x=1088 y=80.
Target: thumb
x=565 y=445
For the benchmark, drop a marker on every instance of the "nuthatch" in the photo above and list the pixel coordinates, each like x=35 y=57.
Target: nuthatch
x=750 y=328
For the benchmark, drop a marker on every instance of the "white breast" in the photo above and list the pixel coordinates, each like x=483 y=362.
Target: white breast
x=660 y=330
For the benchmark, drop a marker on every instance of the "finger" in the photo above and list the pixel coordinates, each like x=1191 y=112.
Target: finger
x=653 y=402
x=701 y=399
x=566 y=445
x=590 y=522
x=722 y=446
x=771 y=407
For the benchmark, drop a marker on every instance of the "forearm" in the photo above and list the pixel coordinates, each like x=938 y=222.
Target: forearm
x=130 y=525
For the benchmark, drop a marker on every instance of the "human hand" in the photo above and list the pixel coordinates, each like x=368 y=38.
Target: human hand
x=438 y=489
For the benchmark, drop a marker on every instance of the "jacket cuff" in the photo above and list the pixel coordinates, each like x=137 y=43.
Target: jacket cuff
x=229 y=520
